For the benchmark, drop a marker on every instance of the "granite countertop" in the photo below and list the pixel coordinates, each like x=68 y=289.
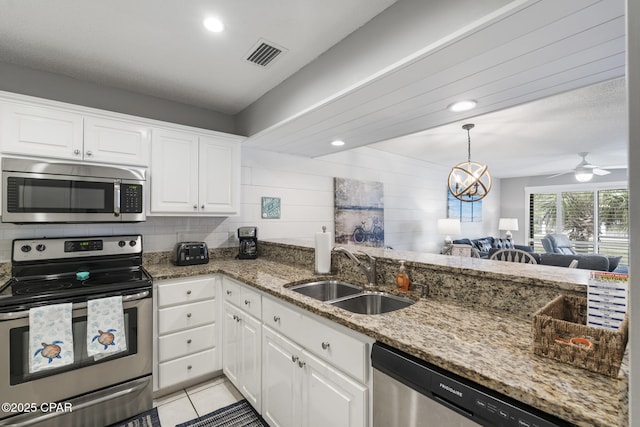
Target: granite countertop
x=490 y=347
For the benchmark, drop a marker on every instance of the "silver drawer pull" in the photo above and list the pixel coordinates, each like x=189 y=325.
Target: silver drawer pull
x=189 y=367
x=301 y=364
x=229 y=292
x=325 y=345
x=188 y=314
x=294 y=359
x=276 y=318
x=189 y=341
x=76 y=152
x=247 y=302
x=189 y=292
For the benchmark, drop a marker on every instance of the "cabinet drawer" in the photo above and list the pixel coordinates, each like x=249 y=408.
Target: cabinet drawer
x=183 y=291
x=283 y=319
x=187 y=368
x=231 y=291
x=251 y=302
x=187 y=342
x=336 y=347
x=186 y=316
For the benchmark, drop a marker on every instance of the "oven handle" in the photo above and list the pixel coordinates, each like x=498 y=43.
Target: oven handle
x=103 y=396
x=77 y=306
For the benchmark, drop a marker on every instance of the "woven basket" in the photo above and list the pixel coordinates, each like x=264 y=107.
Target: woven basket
x=564 y=318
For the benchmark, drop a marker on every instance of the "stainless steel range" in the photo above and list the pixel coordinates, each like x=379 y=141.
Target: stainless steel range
x=90 y=390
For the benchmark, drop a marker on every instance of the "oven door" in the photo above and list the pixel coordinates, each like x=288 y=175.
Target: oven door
x=86 y=374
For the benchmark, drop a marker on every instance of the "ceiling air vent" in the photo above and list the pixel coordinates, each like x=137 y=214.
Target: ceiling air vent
x=264 y=53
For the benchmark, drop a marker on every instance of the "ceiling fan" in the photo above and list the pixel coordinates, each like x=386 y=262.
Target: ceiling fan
x=584 y=171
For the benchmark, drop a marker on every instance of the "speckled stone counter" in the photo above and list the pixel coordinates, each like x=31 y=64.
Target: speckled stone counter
x=489 y=346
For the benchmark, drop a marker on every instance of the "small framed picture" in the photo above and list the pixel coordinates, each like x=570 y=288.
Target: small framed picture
x=271 y=207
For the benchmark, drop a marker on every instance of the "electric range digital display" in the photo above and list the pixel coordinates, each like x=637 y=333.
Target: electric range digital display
x=82 y=245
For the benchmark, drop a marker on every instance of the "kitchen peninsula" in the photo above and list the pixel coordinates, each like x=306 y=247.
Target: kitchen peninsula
x=475 y=323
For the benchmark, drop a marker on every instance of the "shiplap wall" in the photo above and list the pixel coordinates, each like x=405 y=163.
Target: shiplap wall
x=414 y=196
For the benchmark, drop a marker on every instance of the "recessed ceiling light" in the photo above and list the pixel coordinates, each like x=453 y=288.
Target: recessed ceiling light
x=465 y=105
x=337 y=143
x=214 y=25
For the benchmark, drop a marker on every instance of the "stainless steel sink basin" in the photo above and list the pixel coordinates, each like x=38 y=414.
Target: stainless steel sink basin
x=372 y=303
x=326 y=290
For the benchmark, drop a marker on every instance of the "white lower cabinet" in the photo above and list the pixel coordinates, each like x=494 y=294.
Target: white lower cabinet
x=281 y=380
x=301 y=389
x=186 y=326
x=242 y=340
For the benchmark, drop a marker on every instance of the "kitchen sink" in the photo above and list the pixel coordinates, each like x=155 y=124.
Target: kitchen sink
x=326 y=290
x=372 y=303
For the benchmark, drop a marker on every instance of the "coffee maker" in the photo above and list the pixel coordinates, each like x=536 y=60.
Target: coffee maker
x=248 y=237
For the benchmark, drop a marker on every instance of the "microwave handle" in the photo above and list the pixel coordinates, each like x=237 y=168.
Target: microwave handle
x=116 y=201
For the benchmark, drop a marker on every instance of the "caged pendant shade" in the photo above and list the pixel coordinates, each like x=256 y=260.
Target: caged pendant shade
x=469 y=181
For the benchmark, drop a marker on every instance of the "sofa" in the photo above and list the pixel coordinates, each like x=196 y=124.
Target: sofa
x=559 y=244
x=484 y=245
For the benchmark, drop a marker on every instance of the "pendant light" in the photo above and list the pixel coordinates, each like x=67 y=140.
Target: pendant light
x=469 y=181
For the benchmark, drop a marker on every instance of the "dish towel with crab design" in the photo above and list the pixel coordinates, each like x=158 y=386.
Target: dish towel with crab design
x=50 y=337
x=105 y=327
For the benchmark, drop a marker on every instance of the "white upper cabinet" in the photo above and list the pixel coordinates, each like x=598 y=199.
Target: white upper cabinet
x=174 y=172
x=194 y=174
x=39 y=131
x=116 y=141
x=33 y=130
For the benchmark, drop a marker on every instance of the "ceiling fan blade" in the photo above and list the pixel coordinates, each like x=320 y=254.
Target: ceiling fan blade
x=600 y=172
x=558 y=174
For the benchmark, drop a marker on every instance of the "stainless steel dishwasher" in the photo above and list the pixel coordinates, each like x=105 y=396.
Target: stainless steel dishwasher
x=410 y=392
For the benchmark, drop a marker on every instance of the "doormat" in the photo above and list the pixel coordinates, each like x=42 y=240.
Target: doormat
x=145 y=419
x=239 y=414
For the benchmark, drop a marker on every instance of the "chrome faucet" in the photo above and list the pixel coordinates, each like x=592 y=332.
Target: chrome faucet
x=369 y=270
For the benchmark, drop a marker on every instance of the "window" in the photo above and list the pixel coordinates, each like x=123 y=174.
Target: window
x=596 y=221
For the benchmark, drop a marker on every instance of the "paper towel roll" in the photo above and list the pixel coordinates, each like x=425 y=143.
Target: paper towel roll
x=323 y=252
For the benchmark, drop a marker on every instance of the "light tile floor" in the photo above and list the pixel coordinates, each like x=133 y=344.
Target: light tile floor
x=196 y=401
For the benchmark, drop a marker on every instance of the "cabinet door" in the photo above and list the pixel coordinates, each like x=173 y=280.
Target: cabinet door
x=174 y=172
x=251 y=360
x=219 y=166
x=42 y=132
x=281 y=380
x=114 y=141
x=231 y=343
x=325 y=387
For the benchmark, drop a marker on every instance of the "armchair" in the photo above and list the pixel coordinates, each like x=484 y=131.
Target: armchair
x=558 y=244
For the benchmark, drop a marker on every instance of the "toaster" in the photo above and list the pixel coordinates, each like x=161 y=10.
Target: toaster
x=190 y=253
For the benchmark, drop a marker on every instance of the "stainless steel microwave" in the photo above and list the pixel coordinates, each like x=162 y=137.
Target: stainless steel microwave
x=50 y=191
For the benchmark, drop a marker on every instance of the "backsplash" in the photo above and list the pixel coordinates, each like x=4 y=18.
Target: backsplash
x=159 y=233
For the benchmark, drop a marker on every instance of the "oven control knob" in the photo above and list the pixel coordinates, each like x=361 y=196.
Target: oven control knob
x=25 y=248
x=121 y=243
x=132 y=243
x=40 y=247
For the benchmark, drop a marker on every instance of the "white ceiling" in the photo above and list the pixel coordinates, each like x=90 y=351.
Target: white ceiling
x=541 y=137
x=162 y=48
x=529 y=50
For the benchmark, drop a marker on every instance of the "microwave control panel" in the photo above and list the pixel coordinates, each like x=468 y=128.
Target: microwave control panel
x=130 y=198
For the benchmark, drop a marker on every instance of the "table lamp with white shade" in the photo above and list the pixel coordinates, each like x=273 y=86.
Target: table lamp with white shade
x=448 y=226
x=508 y=224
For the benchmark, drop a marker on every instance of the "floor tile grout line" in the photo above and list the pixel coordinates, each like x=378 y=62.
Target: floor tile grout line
x=191 y=402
